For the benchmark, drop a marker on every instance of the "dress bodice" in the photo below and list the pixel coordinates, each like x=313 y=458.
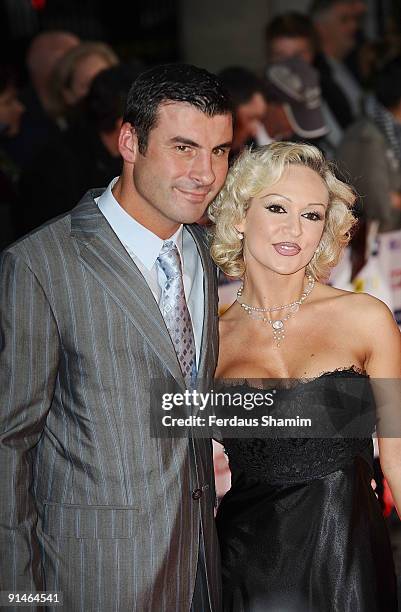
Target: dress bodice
x=301 y=528
x=340 y=405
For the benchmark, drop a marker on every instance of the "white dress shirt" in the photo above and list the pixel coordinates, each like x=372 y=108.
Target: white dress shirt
x=144 y=247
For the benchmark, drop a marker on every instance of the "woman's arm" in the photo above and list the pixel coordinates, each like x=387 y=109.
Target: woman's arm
x=384 y=368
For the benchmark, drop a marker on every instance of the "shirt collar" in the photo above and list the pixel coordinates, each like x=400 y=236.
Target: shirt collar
x=140 y=241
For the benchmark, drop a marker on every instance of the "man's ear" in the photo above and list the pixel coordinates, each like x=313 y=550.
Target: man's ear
x=128 y=143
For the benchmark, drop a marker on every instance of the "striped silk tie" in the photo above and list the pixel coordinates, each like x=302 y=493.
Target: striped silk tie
x=175 y=311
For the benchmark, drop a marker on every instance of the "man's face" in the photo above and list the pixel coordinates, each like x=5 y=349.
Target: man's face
x=184 y=167
x=249 y=116
x=339 y=28
x=276 y=122
x=283 y=47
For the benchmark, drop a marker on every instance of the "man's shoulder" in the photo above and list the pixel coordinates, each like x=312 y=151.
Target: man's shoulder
x=364 y=129
x=58 y=229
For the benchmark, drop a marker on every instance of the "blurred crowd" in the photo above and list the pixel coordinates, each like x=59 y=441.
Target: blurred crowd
x=324 y=82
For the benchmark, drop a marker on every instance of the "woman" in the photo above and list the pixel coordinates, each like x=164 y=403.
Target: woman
x=301 y=528
x=73 y=75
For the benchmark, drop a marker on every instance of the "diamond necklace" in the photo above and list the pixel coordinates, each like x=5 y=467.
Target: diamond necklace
x=258 y=313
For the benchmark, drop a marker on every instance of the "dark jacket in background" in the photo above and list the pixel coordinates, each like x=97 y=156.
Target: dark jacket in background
x=332 y=94
x=8 y=198
x=36 y=131
x=61 y=174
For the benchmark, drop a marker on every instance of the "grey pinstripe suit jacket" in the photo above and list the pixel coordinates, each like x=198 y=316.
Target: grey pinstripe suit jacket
x=90 y=504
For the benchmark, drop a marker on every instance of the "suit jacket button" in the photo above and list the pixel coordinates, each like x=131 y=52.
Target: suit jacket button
x=196 y=494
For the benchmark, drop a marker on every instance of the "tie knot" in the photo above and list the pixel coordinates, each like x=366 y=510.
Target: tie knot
x=169 y=260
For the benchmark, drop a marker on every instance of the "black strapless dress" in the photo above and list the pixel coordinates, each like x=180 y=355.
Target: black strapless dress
x=301 y=529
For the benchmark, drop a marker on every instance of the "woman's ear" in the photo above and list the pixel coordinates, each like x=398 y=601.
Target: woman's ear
x=240 y=227
x=128 y=143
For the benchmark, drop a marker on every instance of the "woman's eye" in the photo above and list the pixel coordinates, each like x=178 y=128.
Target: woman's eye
x=276 y=208
x=313 y=216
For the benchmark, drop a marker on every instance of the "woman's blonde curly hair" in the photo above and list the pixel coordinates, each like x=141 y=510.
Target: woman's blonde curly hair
x=254 y=171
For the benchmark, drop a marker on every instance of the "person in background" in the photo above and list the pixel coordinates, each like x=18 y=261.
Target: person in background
x=361 y=59
x=293 y=34
x=290 y=34
x=294 y=109
x=85 y=154
x=11 y=111
x=336 y=25
x=38 y=125
x=371 y=150
x=73 y=74
x=247 y=94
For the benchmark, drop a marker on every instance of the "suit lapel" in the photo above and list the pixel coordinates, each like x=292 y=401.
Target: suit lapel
x=107 y=260
x=209 y=341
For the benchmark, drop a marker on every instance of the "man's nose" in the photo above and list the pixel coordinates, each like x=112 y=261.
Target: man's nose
x=202 y=169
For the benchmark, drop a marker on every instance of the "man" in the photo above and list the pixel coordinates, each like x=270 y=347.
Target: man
x=38 y=125
x=294 y=103
x=293 y=35
x=85 y=154
x=247 y=94
x=290 y=34
x=370 y=152
x=336 y=24
x=95 y=307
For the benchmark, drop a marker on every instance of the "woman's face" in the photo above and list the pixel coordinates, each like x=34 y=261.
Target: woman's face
x=284 y=224
x=84 y=73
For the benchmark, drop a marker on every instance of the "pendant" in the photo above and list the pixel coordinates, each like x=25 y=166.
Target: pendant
x=278 y=331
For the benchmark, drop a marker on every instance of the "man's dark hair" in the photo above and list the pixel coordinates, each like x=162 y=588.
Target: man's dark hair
x=105 y=103
x=319 y=7
x=172 y=83
x=387 y=84
x=291 y=25
x=241 y=84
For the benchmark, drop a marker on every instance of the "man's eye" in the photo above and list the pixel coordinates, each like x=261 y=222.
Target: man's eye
x=183 y=148
x=276 y=208
x=220 y=151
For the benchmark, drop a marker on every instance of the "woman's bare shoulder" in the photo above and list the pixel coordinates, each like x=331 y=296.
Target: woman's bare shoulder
x=361 y=306
x=364 y=308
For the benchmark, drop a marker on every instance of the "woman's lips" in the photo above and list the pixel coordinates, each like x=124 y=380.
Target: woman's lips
x=288 y=249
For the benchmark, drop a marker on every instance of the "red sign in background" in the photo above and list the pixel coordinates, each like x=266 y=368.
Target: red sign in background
x=38 y=5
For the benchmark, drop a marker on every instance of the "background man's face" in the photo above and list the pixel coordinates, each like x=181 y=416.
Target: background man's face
x=338 y=29
x=283 y=47
x=184 y=167
x=249 y=116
